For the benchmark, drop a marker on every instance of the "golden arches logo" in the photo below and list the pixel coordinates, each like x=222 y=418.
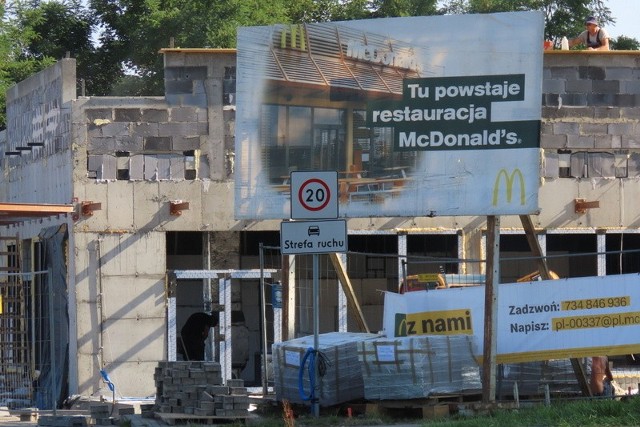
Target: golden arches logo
x=401 y=325
x=509 y=180
x=295 y=35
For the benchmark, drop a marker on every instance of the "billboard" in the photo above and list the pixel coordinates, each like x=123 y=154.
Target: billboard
x=552 y=319
x=419 y=116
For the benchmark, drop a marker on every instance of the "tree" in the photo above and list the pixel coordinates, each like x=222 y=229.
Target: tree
x=133 y=31
x=15 y=62
x=561 y=17
x=624 y=43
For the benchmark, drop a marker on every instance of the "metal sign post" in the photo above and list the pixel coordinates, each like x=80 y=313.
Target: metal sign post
x=314 y=196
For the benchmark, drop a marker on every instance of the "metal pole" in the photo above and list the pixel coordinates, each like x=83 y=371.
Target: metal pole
x=54 y=383
x=263 y=310
x=316 y=338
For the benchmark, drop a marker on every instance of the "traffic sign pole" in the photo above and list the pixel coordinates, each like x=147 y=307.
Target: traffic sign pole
x=314 y=195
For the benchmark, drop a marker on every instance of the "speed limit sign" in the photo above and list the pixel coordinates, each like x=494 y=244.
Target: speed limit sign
x=314 y=195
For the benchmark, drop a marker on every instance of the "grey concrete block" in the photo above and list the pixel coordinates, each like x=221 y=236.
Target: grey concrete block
x=99 y=114
x=630 y=113
x=154 y=115
x=580 y=142
x=579 y=86
x=199 y=88
x=575 y=99
x=198 y=100
x=185 y=73
x=553 y=86
x=566 y=128
x=144 y=129
x=546 y=128
x=157 y=143
x=184 y=114
x=606 y=112
x=186 y=143
x=621 y=128
x=601 y=99
x=630 y=86
x=566 y=73
x=591 y=73
x=605 y=142
x=593 y=128
x=619 y=73
x=176 y=87
x=177 y=128
x=630 y=141
x=606 y=86
x=133 y=144
x=627 y=100
x=127 y=114
x=115 y=129
x=101 y=145
x=553 y=112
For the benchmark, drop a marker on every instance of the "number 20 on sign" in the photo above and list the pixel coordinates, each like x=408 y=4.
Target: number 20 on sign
x=314 y=195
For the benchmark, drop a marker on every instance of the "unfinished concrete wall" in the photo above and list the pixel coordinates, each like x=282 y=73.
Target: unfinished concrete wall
x=134 y=156
x=120 y=311
x=36 y=152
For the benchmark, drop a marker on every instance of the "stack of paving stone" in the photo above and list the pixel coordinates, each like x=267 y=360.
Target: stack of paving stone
x=196 y=388
x=342 y=380
x=100 y=414
x=418 y=366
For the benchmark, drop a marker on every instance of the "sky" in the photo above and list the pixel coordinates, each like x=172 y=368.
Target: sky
x=626 y=14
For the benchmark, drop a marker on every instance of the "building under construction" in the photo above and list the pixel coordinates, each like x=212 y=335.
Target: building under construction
x=123 y=195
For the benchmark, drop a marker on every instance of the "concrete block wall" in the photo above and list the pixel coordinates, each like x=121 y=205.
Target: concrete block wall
x=38 y=111
x=591 y=101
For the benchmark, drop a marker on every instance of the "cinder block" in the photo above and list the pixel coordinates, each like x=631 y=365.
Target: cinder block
x=154 y=115
x=127 y=115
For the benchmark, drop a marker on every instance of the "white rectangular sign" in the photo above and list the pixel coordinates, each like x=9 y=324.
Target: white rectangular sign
x=551 y=319
x=414 y=122
x=313 y=237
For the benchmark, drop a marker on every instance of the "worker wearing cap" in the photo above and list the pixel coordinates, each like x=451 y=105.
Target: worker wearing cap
x=594 y=37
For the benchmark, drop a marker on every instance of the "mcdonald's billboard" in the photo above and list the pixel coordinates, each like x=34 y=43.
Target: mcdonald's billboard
x=438 y=122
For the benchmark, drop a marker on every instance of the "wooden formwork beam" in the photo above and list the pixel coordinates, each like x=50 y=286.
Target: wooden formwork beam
x=352 y=300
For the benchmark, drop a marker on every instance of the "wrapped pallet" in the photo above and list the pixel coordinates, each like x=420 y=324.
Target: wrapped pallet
x=342 y=381
x=418 y=366
x=532 y=377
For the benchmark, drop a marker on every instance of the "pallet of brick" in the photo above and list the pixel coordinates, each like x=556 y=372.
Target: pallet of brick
x=417 y=367
x=194 y=391
x=342 y=381
x=532 y=377
x=179 y=385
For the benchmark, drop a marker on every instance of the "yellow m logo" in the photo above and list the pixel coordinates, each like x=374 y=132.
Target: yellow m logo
x=295 y=36
x=509 y=179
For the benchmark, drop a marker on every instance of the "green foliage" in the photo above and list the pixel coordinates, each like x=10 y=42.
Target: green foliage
x=624 y=43
x=19 y=32
x=124 y=58
x=562 y=17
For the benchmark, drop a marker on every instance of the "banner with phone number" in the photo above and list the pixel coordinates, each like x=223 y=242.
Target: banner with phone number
x=540 y=320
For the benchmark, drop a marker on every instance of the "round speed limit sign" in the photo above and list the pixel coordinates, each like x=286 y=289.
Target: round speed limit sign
x=314 y=195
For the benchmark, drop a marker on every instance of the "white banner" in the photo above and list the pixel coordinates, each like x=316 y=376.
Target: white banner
x=415 y=118
x=540 y=320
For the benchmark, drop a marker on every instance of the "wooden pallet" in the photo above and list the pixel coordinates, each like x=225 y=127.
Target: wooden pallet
x=419 y=408
x=179 y=418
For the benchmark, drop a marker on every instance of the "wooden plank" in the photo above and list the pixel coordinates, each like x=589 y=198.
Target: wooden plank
x=545 y=274
x=352 y=300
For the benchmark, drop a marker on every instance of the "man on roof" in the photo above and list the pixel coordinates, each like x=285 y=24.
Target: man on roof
x=594 y=37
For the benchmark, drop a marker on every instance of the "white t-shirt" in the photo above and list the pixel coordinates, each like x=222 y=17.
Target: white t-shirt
x=592 y=40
